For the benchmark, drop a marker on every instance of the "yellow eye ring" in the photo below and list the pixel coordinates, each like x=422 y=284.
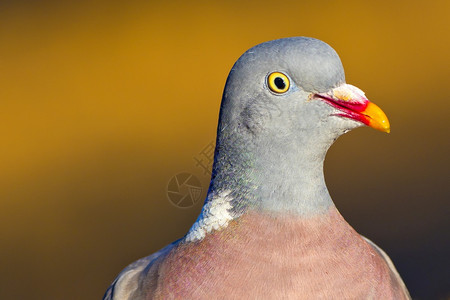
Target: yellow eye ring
x=278 y=82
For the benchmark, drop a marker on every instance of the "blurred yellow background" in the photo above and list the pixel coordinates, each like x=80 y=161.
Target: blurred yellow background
x=101 y=103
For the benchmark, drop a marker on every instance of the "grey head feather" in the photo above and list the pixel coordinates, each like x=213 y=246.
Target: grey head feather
x=270 y=148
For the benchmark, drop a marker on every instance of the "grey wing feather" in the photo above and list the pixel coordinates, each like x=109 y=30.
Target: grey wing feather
x=394 y=272
x=126 y=284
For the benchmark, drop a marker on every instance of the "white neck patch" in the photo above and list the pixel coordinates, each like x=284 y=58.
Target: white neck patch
x=215 y=215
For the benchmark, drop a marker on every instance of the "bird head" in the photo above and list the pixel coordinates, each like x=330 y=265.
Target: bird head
x=293 y=90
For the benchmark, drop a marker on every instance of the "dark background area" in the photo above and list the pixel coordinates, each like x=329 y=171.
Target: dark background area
x=102 y=103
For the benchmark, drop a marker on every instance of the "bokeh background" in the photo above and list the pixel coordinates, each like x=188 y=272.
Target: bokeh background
x=101 y=103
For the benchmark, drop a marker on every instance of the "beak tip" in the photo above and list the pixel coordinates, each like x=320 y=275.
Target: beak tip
x=380 y=126
x=385 y=126
x=377 y=118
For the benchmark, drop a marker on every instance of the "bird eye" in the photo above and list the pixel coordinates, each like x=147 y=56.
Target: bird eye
x=278 y=82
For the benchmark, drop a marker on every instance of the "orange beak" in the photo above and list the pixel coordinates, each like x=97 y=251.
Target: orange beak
x=353 y=104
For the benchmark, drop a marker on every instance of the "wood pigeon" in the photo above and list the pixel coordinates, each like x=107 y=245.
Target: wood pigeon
x=269 y=228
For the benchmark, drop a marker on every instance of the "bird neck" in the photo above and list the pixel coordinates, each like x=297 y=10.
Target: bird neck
x=285 y=177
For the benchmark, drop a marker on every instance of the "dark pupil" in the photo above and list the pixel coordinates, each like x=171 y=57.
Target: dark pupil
x=279 y=82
